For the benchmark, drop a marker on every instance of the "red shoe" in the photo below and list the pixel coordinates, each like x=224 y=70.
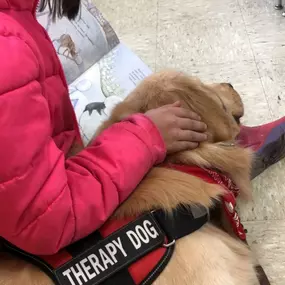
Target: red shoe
x=268 y=142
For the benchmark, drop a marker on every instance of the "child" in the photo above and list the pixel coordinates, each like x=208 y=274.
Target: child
x=48 y=201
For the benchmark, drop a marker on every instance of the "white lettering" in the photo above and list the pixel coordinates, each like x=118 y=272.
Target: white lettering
x=95 y=263
x=142 y=234
x=105 y=258
x=119 y=245
x=83 y=270
x=87 y=268
x=134 y=239
x=79 y=274
x=150 y=229
x=112 y=251
x=66 y=273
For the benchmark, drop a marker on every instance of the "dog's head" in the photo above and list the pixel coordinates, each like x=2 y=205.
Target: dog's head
x=221 y=108
x=219 y=105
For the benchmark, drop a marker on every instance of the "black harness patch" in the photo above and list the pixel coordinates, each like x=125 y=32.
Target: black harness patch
x=112 y=253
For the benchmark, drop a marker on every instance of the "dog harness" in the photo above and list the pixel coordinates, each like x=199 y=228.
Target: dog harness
x=133 y=251
x=128 y=251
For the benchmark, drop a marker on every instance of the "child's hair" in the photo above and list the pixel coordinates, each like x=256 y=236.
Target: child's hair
x=61 y=8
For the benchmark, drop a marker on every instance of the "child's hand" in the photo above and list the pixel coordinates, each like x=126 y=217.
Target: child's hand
x=180 y=128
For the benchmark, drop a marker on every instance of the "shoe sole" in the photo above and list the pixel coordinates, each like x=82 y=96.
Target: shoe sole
x=272 y=151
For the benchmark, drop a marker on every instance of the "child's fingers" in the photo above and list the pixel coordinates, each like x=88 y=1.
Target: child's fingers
x=185 y=113
x=176 y=104
x=191 y=136
x=192 y=125
x=182 y=145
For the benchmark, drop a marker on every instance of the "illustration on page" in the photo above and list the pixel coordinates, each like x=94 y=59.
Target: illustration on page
x=100 y=70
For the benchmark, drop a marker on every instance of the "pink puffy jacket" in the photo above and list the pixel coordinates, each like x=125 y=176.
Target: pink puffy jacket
x=46 y=200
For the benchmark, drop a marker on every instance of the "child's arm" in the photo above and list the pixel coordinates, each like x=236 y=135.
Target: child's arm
x=47 y=202
x=50 y=202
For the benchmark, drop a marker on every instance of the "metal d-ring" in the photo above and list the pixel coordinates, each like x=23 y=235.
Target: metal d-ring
x=169 y=244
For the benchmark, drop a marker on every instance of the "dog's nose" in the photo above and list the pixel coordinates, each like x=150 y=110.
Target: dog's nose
x=230 y=85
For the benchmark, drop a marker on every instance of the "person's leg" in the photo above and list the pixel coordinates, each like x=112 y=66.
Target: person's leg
x=268 y=142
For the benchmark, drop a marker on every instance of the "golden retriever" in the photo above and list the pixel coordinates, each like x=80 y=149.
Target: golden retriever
x=211 y=255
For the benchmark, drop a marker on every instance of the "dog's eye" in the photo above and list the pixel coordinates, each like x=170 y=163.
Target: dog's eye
x=237 y=119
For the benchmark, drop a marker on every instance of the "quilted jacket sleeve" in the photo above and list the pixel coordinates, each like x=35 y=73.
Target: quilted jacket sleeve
x=47 y=202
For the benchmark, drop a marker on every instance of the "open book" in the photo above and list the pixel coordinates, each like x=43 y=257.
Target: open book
x=100 y=70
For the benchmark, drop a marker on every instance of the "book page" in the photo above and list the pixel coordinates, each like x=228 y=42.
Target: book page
x=82 y=42
x=95 y=93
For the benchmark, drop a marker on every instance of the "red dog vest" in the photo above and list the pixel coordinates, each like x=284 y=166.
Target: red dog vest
x=134 y=251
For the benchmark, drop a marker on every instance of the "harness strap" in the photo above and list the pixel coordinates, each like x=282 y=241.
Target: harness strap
x=111 y=259
x=181 y=222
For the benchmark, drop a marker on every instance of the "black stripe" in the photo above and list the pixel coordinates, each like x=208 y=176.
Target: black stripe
x=151 y=277
x=122 y=277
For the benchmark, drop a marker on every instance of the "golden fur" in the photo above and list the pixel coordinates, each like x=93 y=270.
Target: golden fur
x=210 y=256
